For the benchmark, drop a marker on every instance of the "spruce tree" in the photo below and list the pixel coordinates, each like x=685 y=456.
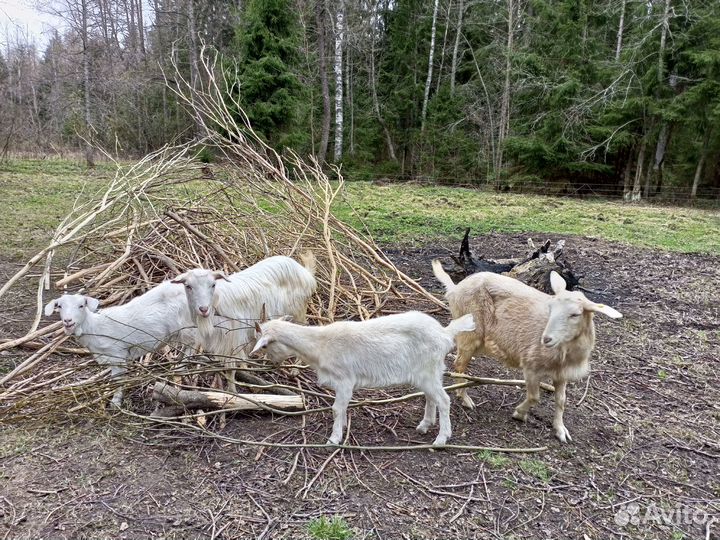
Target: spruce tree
x=268 y=44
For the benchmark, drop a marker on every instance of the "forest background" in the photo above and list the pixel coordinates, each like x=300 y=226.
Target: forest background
x=618 y=98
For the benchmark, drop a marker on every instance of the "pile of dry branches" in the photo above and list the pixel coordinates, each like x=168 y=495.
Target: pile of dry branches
x=170 y=212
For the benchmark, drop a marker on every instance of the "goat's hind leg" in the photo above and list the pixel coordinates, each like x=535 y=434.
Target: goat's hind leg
x=430 y=413
x=116 y=372
x=461 y=363
x=436 y=397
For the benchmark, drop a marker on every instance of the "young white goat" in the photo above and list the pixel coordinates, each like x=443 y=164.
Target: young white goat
x=120 y=333
x=224 y=307
x=408 y=348
x=544 y=335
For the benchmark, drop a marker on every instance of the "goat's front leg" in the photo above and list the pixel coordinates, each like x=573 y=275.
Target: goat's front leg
x=561 y=431
x=533 y=396
x=116 y=372
x=339 y=408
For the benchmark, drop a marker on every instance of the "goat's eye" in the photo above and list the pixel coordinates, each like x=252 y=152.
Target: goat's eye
x=188 y=287
x=213 y=285
x=575 y=315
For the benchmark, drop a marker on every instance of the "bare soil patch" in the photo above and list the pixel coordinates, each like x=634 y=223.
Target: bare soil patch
x=646 y=433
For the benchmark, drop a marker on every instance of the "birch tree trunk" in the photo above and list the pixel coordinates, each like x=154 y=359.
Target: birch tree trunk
x=89 y=150
x=338 y=68
x=663 y=38
x=700 y=165
x=627 y=191
x=428 y=80
x=350 y=104
x=458 y=31
x=192 y=42
x=325 y=87
x=444 y=46
x=655 y=179
x=504 y=124
x=621 y=29
x=635 y=195
x=141 y=28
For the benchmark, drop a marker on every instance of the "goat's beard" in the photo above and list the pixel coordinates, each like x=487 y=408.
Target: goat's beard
x=206 y=327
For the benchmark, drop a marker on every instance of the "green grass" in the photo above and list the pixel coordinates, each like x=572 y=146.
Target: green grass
x=493 y=459
x=407 y=213
x=536 y=468
x=335 y=528
x=39 y=193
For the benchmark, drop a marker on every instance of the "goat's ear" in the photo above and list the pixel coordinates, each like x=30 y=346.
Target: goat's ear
x=180 y=279
x=51 y=308
x=557 y=283
x=258 y=330
x=263 y=314
x=92 y=303
x=262 y=342
x=602 y=308
x=220 y=275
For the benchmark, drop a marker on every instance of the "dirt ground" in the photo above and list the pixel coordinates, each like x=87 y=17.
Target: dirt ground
x=644 y=462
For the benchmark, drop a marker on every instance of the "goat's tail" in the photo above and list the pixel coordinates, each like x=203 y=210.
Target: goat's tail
x=466 y=323
x=442 y=276
x=309 y=261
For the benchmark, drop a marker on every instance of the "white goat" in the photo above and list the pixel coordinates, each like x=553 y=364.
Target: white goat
x=224 y=308
x=408 y=348
x=120 y=333
x=544 y=335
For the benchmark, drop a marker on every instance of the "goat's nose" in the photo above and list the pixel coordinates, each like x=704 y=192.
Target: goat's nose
x=67 y=320
x=203 y=309
x=546 y=339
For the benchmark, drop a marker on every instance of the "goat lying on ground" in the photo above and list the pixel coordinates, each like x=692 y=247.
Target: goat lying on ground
x=120 y=333
x=544 y=335
x=277 y=284
x=408 y=348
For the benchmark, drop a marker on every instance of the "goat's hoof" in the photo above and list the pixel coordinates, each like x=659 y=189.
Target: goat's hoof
x=563 y=434
x=441 y=440
x=332 y=441
x=423 y=427
x=467 y=402
x=522 y=417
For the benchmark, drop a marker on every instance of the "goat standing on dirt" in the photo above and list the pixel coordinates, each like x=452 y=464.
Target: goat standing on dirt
x=224 y=308
x=407 y=348
x=544 y=335
x=120 y=333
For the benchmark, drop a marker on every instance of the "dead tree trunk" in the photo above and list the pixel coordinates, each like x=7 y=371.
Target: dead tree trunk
x=532 y=269
x=194 y=399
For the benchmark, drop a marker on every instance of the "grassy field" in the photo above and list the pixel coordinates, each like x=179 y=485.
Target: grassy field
x=41 y=192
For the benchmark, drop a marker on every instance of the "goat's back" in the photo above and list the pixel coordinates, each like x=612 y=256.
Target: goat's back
x=280 y=283
x=407 y=348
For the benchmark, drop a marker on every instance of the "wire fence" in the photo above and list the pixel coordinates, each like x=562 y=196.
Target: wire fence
x=670 y=194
